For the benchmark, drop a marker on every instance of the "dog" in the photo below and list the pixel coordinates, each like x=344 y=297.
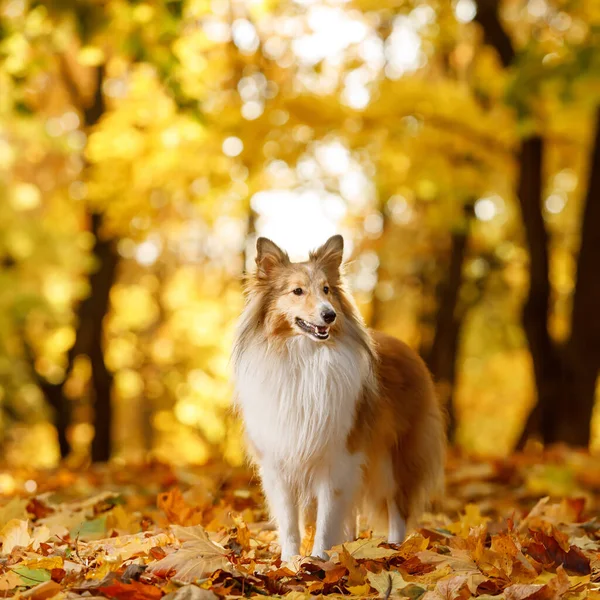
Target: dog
x=334 y=414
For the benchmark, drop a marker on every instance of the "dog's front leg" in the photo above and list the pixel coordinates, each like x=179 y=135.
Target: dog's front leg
x=282 y=502
x=335 y=491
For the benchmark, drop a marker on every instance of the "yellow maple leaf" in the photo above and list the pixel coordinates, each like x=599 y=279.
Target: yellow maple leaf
x=366 y=549
x=471 y=518
x=359 y=590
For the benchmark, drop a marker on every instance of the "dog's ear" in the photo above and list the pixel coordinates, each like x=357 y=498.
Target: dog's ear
x=268 y=257
x=330 y=254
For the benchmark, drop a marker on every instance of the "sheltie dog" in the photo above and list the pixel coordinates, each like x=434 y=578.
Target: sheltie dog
x=336 y=416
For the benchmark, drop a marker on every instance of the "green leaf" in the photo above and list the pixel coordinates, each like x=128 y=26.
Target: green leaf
x=90 y=530
x=412 y=591
x=32 y=577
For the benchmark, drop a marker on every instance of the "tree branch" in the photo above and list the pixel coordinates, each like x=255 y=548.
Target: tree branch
x=585 y=324
x=69 y=81
x=95 y=110
x=53 y=392
x=493 y=32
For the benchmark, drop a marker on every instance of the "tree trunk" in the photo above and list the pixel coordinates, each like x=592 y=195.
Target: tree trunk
x=554 y=377
x=583 y=347
x=442 y=356
x=62 y=414
x=565 y=379
x=546 y=362
x=93 y=310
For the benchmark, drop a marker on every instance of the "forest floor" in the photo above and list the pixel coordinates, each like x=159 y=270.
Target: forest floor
x=525 y=527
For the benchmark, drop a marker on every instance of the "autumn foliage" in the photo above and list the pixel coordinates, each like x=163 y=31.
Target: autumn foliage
x=518 y=529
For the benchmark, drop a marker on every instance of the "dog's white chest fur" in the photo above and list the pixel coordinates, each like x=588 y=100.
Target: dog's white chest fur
x=299 y=403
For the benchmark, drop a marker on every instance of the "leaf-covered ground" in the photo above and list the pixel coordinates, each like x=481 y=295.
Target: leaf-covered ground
x=522 y=528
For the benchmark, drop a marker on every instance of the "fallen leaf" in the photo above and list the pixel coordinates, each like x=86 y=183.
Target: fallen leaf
x=334 y=574
x=131 y=591
x=454 y=588
x=472 y=517
x=30 y=577
x=522 y=591
x=47 y=562
x=553 y=590
x=9 y=581
x=191 y=592
x=57 y=575
x=15 y=533
x=358 y=590
x=242 y=532
x=457 y=560
x=356 y=573
x=177 y=510
x=548 y=551
x=15 y=508
x=126 y=546
x=92 y=529
x=122 y=521
x=368 y=549
x=133 y=572
x=40 y=535
x=585 y=543
x=415 y=543
x=560 y=584
x=197 y=557
x=43 y=591
x=38 y=510
x=386 y=582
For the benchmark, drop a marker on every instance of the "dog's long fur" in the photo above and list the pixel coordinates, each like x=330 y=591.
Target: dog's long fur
x=350 y=422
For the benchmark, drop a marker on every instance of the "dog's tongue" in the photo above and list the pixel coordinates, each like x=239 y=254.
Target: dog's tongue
x=321 y=329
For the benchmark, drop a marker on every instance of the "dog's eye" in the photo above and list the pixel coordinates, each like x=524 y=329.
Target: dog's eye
x=298 y=291
x=326 y=290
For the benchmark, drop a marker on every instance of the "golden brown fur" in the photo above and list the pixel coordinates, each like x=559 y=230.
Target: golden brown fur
x=405 y=419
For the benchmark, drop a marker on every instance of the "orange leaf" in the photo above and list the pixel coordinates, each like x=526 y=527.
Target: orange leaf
x=243 y=533
x=415 y=543
x=43 y=591
x=335 y=574
x=356 y=573
x=176 y=509
x=131 y=591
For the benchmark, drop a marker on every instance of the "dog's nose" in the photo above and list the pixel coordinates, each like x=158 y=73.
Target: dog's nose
x=328 y=315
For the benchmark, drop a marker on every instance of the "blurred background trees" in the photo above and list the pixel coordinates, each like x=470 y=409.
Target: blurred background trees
x=144 y=145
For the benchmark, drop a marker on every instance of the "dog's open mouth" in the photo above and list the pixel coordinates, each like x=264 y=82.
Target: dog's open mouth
x=319 y=332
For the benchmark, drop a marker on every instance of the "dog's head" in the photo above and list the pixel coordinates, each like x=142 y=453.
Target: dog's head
x=301 y=298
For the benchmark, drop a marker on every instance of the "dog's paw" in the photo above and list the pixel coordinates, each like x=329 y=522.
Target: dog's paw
x=288 y=553
x=319 y=553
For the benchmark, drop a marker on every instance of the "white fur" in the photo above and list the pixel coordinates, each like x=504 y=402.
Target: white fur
x=396 y=524
x=299 y=405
